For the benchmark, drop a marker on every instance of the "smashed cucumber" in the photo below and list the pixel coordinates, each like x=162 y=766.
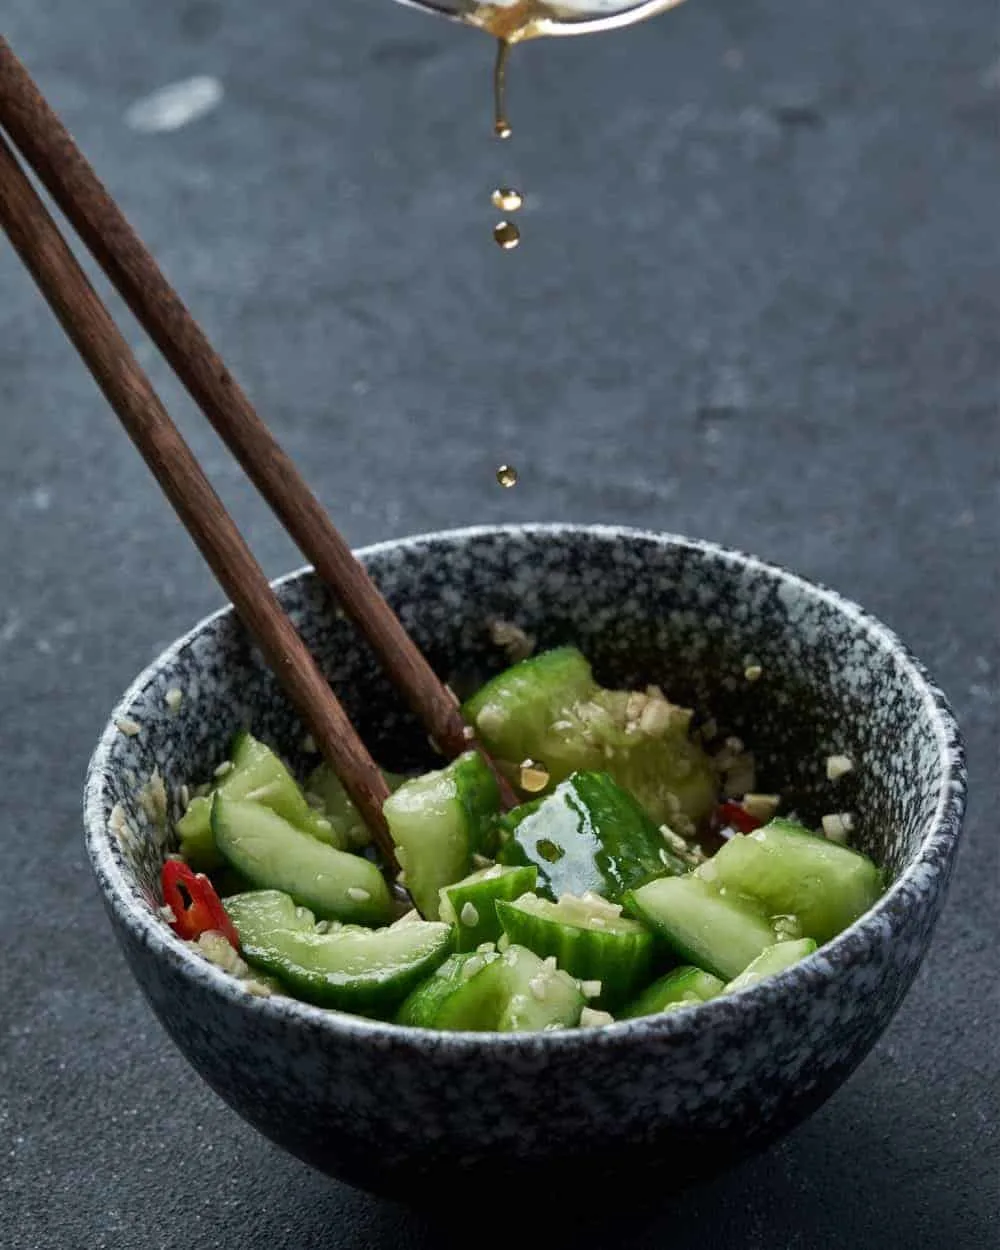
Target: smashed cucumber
x=272 y=854
x=794 y=871
x=256 y=774
x=549 y=708
x=721 y=933
x=471 y=904
x=683 y=987
x=589 y=835
x=514 y=993
x=589 y=938
x=338 y=806
x=367 y=971
x=438 y=822
x=771 y=961
x=447 y=1000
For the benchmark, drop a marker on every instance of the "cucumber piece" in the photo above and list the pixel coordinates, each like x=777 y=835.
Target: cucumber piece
x=455 y=997
x=471 y=904
x=368 y=971
x=794 y=871
x=721 y=933
x=540 y=996
x=259 y=775
x=514 y=993
x=338 y=807
x=514 y=712
x=771 y=961
x=589 y=835
x=272 y=854
x=551 y=709
x=194 y=829
x=438 y=821
x=683 y=987
x=589 y=937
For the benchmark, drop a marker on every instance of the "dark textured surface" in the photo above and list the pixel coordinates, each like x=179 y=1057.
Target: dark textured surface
x=756 y=302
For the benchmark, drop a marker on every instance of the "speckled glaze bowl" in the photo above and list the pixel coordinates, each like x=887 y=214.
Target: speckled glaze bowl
x=398 y=1110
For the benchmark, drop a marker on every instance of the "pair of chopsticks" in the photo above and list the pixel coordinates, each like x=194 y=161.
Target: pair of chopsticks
x=47 y=147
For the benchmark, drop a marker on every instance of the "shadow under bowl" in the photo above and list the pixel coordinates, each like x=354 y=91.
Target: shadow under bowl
x=416 y=1114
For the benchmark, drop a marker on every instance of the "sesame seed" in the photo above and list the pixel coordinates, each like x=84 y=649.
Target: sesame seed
x=359 y=895
x=174 y=698
x=753 y=672
x=480 y=861
x=838 y=826
x=490 y=720
x=539 y=987
x=225 y=767
x=469 y=916
x=468 y=733
x=838 y=766
x=324 y=825
x=590 y=989
x=761 y=806
x=183 y=796
x=591 y=1019
x=655 y=717
x=128 y=726
x=673 y=840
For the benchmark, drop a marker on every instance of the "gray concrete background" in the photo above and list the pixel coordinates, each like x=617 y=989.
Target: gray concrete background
x=757 y=302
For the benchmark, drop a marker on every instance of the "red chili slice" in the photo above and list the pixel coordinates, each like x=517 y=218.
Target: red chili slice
x=735 y=816
x=196 y=906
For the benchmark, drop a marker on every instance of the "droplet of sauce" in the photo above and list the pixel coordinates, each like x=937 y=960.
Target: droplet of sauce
x=507 y=235
x=534 y=776
x=501 y=126
x=507 y=200
x=507 y=476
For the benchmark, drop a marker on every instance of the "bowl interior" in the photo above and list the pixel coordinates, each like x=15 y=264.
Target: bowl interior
x=642 y=607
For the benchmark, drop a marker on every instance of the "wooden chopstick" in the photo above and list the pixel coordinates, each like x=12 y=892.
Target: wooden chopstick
x=60 y=165
x=94 y=334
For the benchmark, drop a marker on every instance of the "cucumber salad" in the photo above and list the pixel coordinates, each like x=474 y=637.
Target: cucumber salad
x=592 y=901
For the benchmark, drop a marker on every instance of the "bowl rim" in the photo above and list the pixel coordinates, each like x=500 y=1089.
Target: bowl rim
x=933 y=857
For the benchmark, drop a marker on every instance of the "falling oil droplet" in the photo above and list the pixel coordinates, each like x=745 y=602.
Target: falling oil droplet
x=507 y=235
x=534 y=776
x=501 y=126
x=507 y=200
x=507 y=476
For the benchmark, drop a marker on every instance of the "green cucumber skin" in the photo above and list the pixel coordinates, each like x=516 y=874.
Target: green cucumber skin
x=608 y=844
x=255 y=768
x=720 y=933
x=522 y=702
x=620 y=961
x=797 y=872
x=484 y=893
x=349 y=829
x=273 y=855
x=550 y=708
x=498 y=998
x=449 y=1000
x=280 y=939
x=524 y=1012
x=771 y=961
x=438 y=822
x=686 y=985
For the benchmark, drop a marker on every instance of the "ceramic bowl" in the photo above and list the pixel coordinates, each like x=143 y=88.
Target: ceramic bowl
x=401 y=1111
